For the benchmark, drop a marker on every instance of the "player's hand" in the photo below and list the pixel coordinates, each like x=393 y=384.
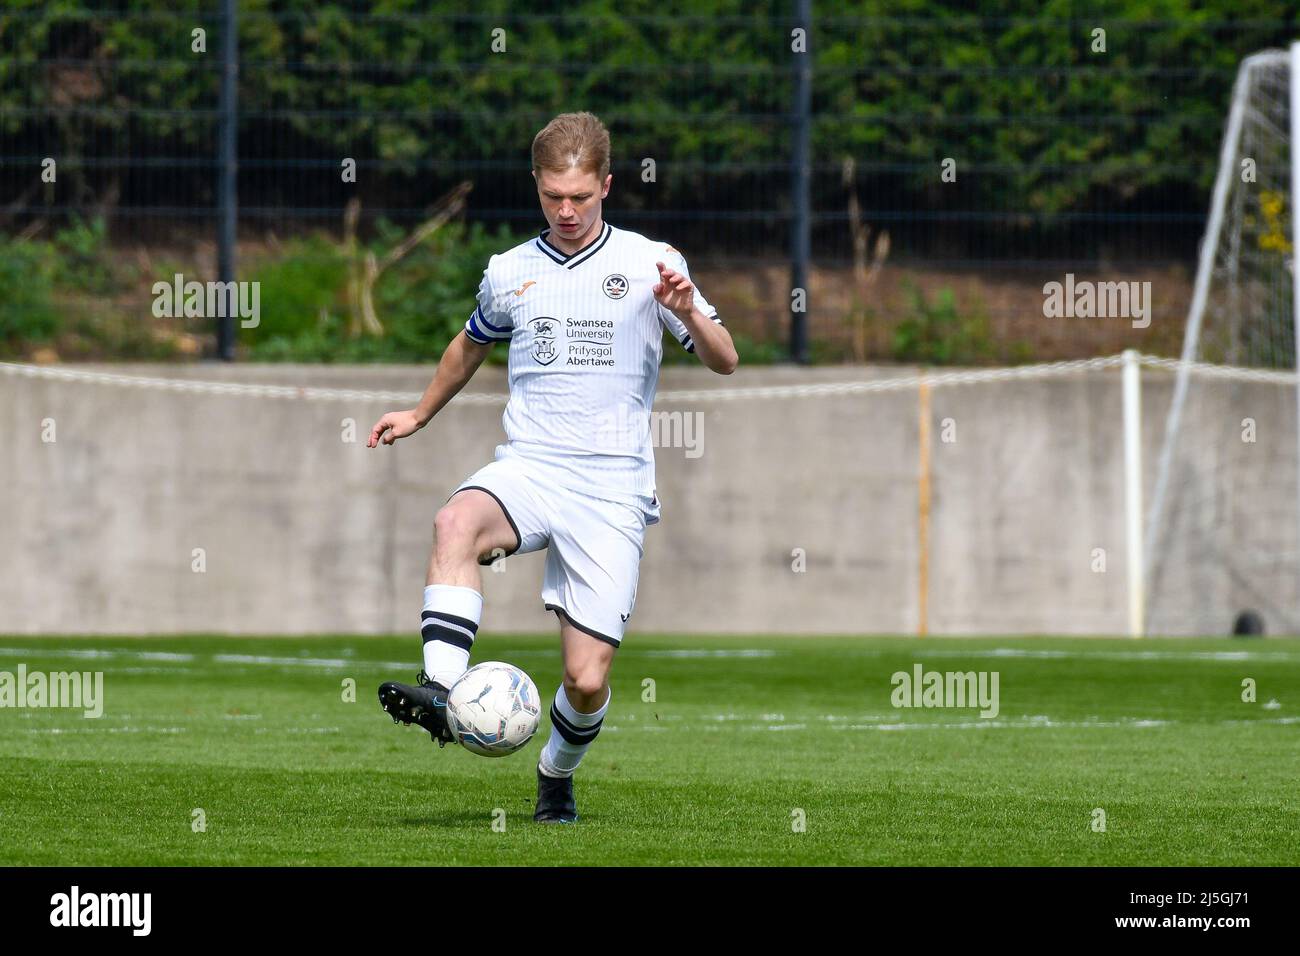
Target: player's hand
x=393 y=426
x=674 y=291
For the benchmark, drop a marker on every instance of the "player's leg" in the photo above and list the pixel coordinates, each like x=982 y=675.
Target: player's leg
x=591 y=576
x=581 y=701
x=476 y=525
x=471 y=528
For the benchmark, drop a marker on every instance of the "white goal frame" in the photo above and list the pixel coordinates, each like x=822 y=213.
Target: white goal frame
x=1204 y=273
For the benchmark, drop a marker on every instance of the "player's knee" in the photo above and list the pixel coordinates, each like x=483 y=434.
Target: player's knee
x=587 y=683
x=453 y=530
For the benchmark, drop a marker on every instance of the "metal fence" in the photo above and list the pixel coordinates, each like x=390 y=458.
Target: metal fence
x=1059 y=155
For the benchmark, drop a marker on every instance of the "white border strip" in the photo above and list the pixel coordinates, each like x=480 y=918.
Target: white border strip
x=935 y=379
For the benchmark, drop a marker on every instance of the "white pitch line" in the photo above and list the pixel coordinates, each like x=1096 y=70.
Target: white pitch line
x=327 y=662
x=739 y=653
x=167 y=656
x=1149 y=655
x=98 y=653
x=108 y=730
x=306 y=730
x=994 y=724
x=341 y=663
x=768 y=722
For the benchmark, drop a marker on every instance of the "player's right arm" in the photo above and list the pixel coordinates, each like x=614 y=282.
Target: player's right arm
x=458 y=364
x=489 y=322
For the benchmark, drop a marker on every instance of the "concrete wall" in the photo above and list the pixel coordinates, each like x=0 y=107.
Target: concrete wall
x=305 y=533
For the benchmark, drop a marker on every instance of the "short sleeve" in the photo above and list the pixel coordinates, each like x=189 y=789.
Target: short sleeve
x=488 y=323
x=676 y=328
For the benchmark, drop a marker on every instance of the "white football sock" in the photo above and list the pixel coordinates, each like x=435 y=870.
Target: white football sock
x=448 y=625
x=571 y=734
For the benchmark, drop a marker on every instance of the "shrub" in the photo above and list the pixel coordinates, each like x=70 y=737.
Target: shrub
x=27 y=311
x=421 y=302
x=936 y=333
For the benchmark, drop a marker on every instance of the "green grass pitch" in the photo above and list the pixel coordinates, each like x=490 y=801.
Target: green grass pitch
x=745 y=738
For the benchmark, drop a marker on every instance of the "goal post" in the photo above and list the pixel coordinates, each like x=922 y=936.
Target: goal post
x=1295 y=241
x=1223 y=526
x=1132 y=403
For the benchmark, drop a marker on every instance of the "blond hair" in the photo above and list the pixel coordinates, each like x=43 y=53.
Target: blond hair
x=572 y=139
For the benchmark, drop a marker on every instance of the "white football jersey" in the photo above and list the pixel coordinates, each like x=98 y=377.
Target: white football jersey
x=585 y=336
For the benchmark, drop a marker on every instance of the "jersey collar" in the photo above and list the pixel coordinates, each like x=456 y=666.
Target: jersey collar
x=573 y=260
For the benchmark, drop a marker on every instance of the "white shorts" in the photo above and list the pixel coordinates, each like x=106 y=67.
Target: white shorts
x=593 y=546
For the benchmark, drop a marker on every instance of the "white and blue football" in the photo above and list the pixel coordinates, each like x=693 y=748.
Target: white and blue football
x=494 y=709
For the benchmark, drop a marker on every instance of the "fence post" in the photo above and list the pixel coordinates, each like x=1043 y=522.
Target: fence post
x=799 y=187
x=226 y=171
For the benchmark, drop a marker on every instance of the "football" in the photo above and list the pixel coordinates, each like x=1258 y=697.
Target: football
x=494 y=709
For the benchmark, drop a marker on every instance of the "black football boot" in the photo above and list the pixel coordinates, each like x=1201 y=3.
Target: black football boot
x=555 y=800
x=425 y=705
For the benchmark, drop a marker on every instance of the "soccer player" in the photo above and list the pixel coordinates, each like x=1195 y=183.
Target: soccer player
x=582 y=307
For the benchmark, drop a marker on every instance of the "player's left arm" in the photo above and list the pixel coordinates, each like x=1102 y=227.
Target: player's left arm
x=676 y=293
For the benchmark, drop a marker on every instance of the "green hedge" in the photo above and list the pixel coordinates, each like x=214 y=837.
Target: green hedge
x=421 y=302
x=896 y=83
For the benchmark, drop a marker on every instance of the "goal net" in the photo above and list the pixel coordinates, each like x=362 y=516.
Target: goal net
x=1223 y=523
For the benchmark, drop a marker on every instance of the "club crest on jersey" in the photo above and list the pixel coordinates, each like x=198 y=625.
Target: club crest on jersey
x=544 y=329
x=615 y=286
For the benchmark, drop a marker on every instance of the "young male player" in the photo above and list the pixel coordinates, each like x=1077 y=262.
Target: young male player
x=582 y=307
